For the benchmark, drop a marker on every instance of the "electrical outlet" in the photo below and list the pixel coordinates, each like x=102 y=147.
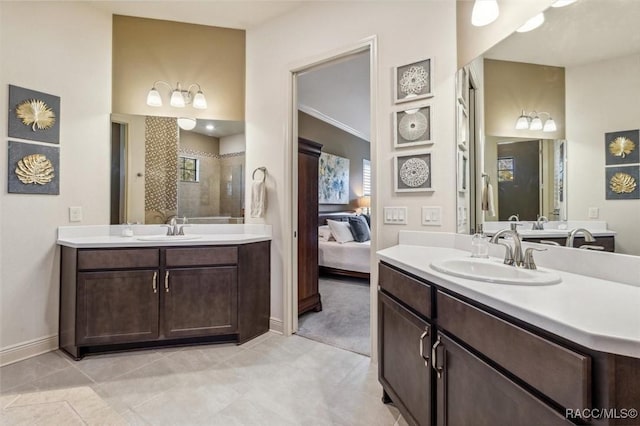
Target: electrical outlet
x=395 y=215
x=593 y=212
x=75 y=214
x=432 y=216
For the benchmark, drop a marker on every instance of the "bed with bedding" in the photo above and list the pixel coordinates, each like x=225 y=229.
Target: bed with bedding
x=338 y=253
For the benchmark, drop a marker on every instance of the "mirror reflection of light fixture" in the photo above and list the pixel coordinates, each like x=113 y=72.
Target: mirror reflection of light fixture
x=532 y=121
x=186 y=123
x=532 y=23
x=484 y=12
x=179 y=97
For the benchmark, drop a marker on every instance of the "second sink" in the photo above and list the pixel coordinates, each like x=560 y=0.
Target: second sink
x=493 y=271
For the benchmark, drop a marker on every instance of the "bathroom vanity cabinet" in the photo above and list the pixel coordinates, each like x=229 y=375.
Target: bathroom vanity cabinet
x=116 y=298
x=607 y=242
x=447 y=360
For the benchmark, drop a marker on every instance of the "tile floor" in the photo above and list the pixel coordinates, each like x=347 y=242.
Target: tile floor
x=271 y=380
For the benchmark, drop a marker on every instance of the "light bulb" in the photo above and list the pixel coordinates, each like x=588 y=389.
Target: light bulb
x=199 y=101
x=532 y=23
x=484 y=12
x=153 y=98
x=177 y=100
x=536 y=124
x=549 y=125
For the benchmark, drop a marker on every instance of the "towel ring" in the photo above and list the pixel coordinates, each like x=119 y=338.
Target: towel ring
x=261 y=169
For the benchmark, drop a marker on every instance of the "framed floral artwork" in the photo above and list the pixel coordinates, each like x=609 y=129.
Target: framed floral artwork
x=333 y=179
x=412 y=172
x=413 y=81
x=413 y=127
x=34 y=115
x=622 y=147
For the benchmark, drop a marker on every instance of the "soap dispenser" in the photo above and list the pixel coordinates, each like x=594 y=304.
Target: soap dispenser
x=480 y=244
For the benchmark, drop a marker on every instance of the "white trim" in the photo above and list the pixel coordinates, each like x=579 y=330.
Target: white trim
x=290 y=243
x=276 y=325
x=332 y=121
x=28 y=349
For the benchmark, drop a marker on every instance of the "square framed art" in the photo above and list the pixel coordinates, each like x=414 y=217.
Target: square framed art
x=413 y=81
x=413 y=127
x=412 y=172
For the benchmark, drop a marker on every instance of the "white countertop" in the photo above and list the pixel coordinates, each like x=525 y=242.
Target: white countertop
x=599 y=314
x=105 y=236
x=553 y=229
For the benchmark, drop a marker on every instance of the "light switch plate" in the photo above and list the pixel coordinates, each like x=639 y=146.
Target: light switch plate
x=432 y=216
x=593 y=212
x=395 y=215
x=75 y=214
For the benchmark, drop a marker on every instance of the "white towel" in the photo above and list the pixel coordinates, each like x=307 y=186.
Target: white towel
x=258 y=199
x=491 y=209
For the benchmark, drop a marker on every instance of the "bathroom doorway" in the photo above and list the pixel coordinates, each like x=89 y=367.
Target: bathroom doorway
x=333 y=290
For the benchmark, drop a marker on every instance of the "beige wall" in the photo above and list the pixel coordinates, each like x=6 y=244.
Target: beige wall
x=232 y=144
x=406 y=32
x=61 y=48
x=199 y=142
x=146 y=50
x=338 y=142
x=601 y=97
x=511 y=87
x=474 y=41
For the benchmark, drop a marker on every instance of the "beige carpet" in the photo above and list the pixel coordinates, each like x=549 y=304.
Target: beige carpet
x=344 y=320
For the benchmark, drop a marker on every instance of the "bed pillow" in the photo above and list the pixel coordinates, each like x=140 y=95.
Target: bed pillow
x=324 y=233
x=360 y=229
x=367 y=218
x=341 y=231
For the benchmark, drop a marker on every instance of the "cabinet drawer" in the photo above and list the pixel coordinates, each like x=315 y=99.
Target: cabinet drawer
x=412 y=292
x=201 y=256
x=561 y=374
x=118 y=259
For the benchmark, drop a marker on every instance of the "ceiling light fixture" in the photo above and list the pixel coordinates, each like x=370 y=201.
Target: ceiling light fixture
x=484 y=12
x=179 y=97
x=532 y=23
x=186 y=123
x=210 y=127
x=532 y=121
x=562 y=3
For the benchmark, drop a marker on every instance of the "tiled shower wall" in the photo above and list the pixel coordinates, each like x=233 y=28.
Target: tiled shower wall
x=161 y=169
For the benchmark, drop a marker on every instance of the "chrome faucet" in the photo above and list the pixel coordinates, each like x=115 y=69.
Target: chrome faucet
x=173 y=228
x=539 y=224
x=514 y=217
x=588 y=236
x=511 y=257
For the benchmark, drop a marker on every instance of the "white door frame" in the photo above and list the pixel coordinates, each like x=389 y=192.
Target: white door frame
x=290 y=294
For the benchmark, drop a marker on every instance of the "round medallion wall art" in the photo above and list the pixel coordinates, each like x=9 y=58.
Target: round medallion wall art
x=412 y=126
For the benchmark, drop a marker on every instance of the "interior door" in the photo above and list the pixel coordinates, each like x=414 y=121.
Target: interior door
x=519 y=180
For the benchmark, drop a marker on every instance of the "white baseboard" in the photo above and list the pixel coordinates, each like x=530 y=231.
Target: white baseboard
x=276 y=325
x=28 y=349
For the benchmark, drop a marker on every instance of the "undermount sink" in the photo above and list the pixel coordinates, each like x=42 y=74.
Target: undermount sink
x=168 y=237
x=494 y=271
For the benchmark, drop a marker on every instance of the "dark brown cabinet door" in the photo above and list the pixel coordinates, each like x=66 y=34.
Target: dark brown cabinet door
x=470 y=392
x=308 y=159
x=200 y=301
x=117 y=307
x=404 y=368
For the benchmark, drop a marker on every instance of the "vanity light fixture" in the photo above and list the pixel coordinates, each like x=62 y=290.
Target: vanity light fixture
x=532 y=23
x=186 y=123
x=179 y=96
x=532 y=121
x=484 y=12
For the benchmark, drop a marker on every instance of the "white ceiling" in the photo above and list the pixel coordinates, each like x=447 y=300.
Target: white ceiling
x=237 y=14
x=583 y=32
x=338 y=93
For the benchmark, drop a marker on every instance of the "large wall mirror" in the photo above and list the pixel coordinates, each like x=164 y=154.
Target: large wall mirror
x=580 y=68
x=160 y=170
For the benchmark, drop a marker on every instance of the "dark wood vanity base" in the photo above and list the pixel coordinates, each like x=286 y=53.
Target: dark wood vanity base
x=115 y=299
x=447 y=360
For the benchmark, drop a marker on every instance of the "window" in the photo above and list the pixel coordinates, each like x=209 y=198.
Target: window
x=188 y=169
x=366 y=178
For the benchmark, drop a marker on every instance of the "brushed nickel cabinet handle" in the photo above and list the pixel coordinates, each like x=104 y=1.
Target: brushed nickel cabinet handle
x=434 y=359
x=155 y=282
x=166 y=282
x=424 y=334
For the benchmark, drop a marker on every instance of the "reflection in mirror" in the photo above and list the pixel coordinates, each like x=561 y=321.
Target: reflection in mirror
x=160 y=171
x=581 y=68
